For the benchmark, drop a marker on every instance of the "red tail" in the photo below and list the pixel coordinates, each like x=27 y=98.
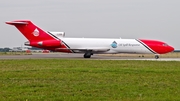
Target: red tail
x=31 y=31
x=37 y=37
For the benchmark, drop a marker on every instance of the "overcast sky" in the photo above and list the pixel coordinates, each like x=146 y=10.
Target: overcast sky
x=147 y=19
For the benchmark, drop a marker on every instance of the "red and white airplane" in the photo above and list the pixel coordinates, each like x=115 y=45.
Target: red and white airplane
x=56 y=41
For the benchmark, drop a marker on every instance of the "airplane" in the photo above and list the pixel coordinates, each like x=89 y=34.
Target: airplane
x=56 y=41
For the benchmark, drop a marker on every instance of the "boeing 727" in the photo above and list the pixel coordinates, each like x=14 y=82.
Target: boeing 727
x=55 y=41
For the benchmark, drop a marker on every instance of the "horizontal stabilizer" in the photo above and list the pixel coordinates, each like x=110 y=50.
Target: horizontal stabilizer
x=16 y=23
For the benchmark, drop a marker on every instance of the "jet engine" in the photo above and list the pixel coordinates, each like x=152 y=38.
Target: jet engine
x=45 y=43
x=58 y=34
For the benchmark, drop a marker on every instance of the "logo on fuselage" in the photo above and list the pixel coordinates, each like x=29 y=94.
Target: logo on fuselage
x=36 y=32
x=114 y=44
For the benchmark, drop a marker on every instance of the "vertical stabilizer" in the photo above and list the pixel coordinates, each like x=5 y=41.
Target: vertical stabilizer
x=31 y=31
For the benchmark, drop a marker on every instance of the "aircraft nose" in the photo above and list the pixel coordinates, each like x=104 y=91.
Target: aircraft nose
x=171 y=48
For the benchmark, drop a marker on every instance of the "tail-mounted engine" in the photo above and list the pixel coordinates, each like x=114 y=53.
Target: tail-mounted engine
x=58 y=34
x=45 y=43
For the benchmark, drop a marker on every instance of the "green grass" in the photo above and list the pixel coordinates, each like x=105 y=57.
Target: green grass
x=89 y=80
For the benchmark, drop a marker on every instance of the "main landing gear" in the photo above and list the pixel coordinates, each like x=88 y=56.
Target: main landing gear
x=88 y=54
x=156 y=56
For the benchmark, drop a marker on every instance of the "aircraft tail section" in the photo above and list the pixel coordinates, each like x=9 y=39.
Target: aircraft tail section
x=31 y=31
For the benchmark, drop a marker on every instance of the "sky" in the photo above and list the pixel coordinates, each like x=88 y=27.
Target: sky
x=127 y=19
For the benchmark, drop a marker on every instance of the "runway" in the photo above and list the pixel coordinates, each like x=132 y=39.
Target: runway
x=79 y=56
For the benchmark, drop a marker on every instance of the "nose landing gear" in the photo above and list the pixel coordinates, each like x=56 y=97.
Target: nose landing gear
x=156 y=56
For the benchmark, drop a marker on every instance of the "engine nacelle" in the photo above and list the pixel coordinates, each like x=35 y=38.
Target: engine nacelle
x=58 y=34
x=45 y=43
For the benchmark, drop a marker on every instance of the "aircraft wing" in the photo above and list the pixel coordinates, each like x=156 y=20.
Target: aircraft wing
x=83 y=50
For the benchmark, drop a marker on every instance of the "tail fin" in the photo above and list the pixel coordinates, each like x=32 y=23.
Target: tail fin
x=31 y=31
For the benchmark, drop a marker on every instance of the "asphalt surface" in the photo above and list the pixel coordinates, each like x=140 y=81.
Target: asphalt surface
x=79 y=56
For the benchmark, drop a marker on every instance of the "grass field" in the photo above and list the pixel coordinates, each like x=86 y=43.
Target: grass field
x=89 y=80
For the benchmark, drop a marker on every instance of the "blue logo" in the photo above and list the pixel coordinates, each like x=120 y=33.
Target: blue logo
x=114 y=44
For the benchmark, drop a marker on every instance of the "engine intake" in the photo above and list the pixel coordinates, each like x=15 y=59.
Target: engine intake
x=58 y=34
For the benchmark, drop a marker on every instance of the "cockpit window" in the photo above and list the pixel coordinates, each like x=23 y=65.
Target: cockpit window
x=165 y=44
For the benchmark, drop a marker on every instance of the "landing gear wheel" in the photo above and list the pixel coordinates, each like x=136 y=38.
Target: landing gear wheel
x=87 y=55
x=156 y=56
